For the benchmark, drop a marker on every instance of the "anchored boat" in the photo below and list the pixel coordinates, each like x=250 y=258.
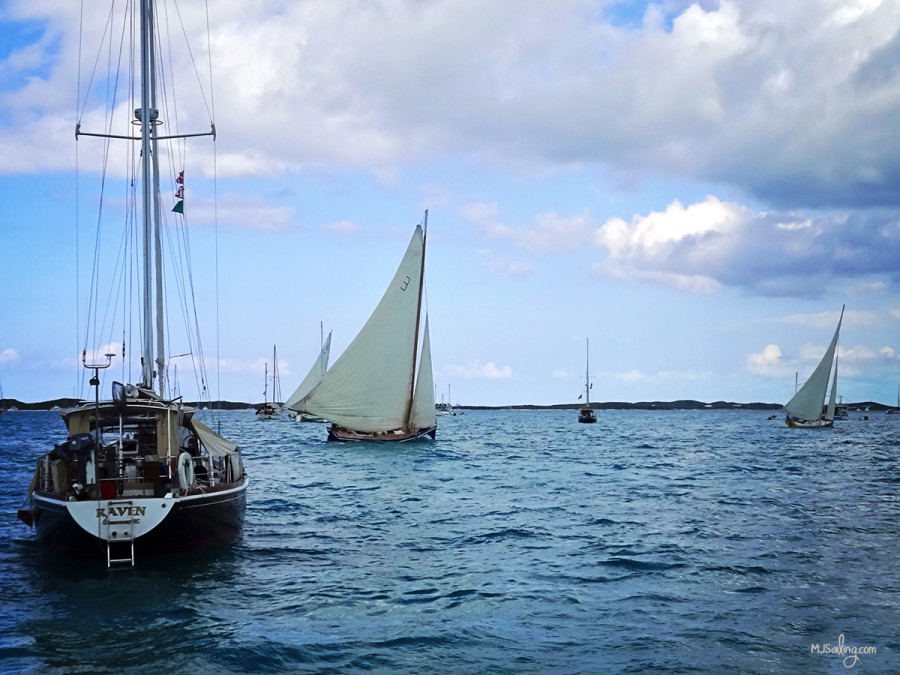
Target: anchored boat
x=138 y=474
x=587 y=414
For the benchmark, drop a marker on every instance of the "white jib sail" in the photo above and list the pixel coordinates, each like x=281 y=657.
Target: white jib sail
x=367 y=388
x=423 y=414
x=808 y=402
x=313 y=377
x=832 y=399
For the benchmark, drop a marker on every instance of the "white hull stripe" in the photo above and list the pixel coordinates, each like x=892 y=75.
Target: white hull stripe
x=100 y=517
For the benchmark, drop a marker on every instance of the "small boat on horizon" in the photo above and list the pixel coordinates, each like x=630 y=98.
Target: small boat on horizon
x=270 y=410
x=807 y=409
x=587 y=414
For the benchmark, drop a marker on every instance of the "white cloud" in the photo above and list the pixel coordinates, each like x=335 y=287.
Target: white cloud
x=477 y=370
x=714 y=243
x=887 y=352
x=549 y=233
x=9 y=356
x=657 y=234
x=484 y=217
x=782 y=99
x=552 y=233
x=766 y=362
x=630 y=376
x=240 y=211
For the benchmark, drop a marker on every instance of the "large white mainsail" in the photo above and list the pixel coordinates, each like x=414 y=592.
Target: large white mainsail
x=313 y=377
x=808 y=402
x=423 y=413
x=368 y=387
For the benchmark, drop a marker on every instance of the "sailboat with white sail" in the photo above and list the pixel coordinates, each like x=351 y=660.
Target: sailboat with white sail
x=140 y=474
x=587 y=414
x=271 y=410
x=807 y=408
x=381 y=388
x=445 y=408
x=313 y=377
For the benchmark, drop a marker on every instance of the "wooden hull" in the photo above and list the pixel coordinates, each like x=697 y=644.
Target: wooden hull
x=336 y=433
x=808 y=424
x=190 y=522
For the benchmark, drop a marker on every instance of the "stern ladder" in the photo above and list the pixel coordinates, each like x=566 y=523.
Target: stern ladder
x=119 y=533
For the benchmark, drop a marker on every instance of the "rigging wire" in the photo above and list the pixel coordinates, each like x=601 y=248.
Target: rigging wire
x=212 y=92
x=77 y=207
x=125 y=278
x=191 y=53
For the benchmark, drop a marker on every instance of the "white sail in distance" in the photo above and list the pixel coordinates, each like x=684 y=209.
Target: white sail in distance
x=368 y=387
x=313 y=377
x=808 y=402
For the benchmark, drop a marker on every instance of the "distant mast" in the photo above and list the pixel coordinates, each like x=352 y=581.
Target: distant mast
x=587 y=374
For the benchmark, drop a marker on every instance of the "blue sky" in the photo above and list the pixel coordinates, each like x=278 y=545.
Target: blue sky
x=696 y=187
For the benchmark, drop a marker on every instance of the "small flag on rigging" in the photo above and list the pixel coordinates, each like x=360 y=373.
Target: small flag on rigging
x=179 y=194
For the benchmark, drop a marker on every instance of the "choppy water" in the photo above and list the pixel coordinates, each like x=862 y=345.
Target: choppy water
x=710 y=541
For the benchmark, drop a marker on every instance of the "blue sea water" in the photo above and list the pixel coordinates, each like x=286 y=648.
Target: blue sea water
x=517 y=542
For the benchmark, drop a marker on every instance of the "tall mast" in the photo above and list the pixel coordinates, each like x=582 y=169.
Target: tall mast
x=148 y=114
x=587 y=373
x=412 y=375
x=154 y=159
x=143 y=116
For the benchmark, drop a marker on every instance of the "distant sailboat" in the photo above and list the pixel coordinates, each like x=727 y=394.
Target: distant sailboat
x=807 y=408
x=373 y=392
x=313 y=377
x=270 y=411
x=587 y=414
x=896 y=411
x=445 y=409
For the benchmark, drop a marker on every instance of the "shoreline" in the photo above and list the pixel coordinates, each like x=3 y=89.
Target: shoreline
x=683 y=404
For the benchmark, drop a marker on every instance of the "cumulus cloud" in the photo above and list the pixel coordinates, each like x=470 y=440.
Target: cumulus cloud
x=712 y=243
x=794 y=102
x=766 y=362
x=477 y=370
